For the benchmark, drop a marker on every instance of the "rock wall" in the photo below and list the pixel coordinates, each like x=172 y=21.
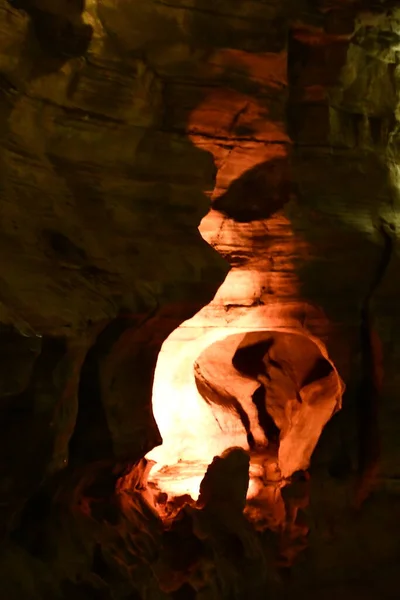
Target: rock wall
x=119 y=123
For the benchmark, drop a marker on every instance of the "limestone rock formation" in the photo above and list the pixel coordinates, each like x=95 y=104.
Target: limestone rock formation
x=176 y=174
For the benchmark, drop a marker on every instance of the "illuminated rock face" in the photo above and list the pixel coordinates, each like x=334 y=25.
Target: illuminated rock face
x=120 y=122
x=260 y=390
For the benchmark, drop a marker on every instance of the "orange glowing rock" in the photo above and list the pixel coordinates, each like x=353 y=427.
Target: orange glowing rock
x=201 y=395
x=204 y=402
x=199 y=398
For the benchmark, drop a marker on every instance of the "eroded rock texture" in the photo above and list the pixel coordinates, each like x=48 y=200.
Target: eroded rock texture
x=280 y=387
x=120 y=121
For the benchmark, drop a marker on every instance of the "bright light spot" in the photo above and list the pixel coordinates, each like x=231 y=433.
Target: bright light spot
x=193 y=432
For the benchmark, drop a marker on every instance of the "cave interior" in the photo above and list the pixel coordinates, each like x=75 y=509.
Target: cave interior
x=199 y=328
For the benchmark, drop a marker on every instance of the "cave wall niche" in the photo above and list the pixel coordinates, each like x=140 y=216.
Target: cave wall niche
x=268 y=391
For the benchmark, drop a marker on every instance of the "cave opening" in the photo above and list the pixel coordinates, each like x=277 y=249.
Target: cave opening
x=267 y=391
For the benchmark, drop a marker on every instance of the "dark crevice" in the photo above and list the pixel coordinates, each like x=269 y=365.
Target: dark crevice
x=99 y=564
x=31 y=416
x=61 y=35
x=267 y=423
x=383 y=263
x=230 y=140
x=62 y=248
x=91 y=439
x=249 y=360
x=368 y=397
x=245 y=422
x=321 y=369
